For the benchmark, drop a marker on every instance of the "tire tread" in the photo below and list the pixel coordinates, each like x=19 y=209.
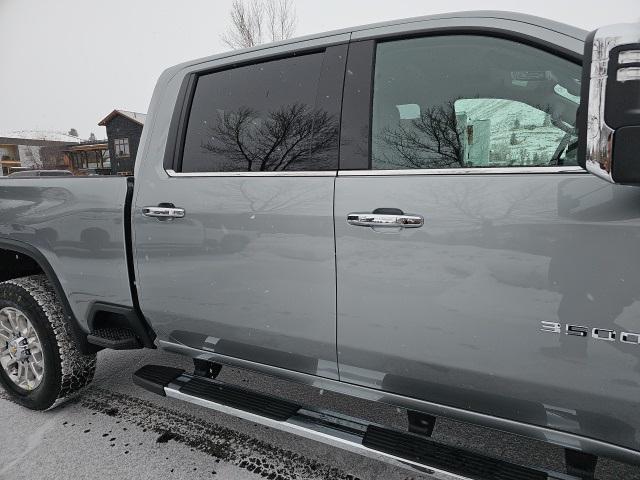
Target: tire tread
x=77 y=370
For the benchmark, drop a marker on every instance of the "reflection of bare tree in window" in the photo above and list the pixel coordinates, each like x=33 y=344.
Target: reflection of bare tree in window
x=285 y=137
x=432 y=141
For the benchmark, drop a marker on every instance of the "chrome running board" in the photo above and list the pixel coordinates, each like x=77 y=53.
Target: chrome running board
x=409 y=451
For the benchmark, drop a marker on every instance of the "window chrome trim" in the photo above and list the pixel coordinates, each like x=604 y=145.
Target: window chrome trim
x=382 y=173
x=463 y=171
x=319 y=173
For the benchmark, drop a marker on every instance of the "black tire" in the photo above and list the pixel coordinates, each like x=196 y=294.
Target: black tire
x=66 y=370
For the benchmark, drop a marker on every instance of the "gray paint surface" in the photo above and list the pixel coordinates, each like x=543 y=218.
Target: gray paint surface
x=77 y=224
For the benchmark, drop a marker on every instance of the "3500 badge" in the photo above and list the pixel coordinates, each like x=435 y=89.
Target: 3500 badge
x=595 y=332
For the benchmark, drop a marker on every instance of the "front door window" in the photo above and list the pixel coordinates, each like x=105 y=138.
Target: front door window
x=499 y=104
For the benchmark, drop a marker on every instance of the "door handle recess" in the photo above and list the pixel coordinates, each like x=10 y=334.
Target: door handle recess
x=385 y=220
x=163 y=212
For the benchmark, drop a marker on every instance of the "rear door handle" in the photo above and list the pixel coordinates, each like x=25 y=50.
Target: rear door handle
x=162 y=212
x=396 y=220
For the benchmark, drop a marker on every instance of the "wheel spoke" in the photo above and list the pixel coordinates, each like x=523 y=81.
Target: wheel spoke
x=36 y=375
x=11 y=316
x=6 y=362
x=25 y=325
x=5 y=325
x=25 y=374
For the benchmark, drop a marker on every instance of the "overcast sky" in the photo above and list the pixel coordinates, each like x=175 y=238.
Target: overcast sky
x=68 y=63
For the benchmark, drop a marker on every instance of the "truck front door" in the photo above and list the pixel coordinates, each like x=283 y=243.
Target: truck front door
x=467 y=239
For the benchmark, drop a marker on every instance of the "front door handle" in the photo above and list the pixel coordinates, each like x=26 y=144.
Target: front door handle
x=396 y=220
x=163 y=212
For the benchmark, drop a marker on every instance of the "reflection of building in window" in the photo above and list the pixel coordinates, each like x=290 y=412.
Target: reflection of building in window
x=121 y=147
x=475 y=144
x=506 y=133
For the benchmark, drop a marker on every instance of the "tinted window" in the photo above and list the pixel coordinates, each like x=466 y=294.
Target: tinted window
x=467 y=101
x=262 y=117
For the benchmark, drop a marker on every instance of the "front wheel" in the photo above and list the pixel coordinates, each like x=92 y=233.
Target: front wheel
x=40 y=363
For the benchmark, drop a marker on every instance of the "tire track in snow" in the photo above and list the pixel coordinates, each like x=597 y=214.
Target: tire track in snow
x=222 y=443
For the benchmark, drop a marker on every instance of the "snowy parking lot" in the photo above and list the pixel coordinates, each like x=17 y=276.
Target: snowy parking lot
x=116 y=430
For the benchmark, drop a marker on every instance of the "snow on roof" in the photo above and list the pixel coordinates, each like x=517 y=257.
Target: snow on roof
x=41 y=135
x=135 y=116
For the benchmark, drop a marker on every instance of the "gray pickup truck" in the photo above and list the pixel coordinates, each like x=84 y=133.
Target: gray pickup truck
x=407 y=212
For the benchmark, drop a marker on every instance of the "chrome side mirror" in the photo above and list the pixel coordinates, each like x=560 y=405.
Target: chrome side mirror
x=609 y=117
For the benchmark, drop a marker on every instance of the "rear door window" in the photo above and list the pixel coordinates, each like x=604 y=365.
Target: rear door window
x=263 y=117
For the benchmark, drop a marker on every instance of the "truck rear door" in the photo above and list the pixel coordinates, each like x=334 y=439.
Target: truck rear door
x=244 y=264
x=467 y=237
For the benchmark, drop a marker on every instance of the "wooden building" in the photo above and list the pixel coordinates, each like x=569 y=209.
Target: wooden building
x=124 y=129
x=89 y=158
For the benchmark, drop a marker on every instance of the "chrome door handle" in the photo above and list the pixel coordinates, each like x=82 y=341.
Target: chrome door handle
x=385 y=220
x=163 y=212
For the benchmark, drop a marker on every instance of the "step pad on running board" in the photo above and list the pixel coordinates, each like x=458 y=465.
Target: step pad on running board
x=403 y=449
x=420 y=449
x=241 y=398
x=155 y=377
x=114 y=338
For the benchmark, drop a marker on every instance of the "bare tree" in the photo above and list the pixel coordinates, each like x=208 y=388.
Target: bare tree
x=52 y=157
x=30 y=157
x=258 y=21
x=281 y=19
x=291 y=135
x=434 y=140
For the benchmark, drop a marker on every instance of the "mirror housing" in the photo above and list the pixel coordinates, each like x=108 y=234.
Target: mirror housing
x=609 y=116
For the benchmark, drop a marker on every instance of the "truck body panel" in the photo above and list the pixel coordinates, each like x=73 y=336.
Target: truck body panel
x=250 y=273
x=452 y=312
x=78 y=226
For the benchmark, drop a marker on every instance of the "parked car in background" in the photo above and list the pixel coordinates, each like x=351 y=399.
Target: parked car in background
x=41 y=173
x=410 y=212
